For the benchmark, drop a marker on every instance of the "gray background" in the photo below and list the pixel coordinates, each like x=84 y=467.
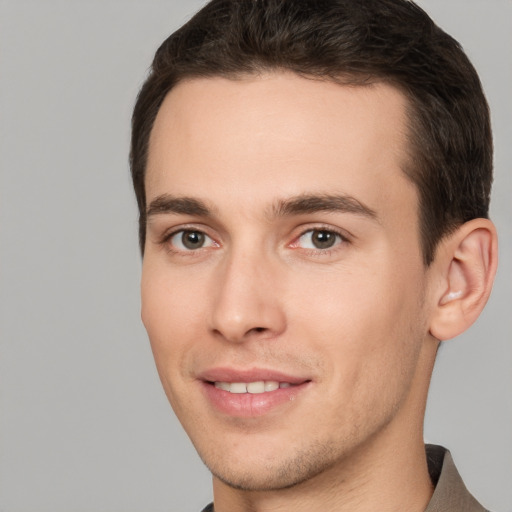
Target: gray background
x=84 y=425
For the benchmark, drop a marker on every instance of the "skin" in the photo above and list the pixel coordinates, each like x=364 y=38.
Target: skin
x=354 y=319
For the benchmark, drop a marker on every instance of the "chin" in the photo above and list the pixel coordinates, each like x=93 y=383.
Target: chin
x=246 y=474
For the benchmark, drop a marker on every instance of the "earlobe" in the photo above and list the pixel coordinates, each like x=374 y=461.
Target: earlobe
x=466 y=266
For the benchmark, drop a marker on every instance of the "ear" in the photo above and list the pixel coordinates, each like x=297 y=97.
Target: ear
x=464 y=266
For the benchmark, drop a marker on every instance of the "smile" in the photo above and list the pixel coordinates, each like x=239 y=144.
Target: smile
x=256 y=387
x=251 y=392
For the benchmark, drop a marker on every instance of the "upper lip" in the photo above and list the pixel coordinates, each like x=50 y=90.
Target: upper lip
x=224 y=374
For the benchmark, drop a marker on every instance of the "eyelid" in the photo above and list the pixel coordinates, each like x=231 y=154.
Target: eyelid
x=180 y=244
x=171 y=231
x=343 y=233
x=166 y=237
x=345 y=238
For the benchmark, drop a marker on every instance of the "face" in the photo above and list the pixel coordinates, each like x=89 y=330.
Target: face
x=283 y=288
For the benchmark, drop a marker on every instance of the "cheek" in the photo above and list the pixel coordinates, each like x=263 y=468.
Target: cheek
x=360 y=307
x=169 y=310
x=168 y=316
x=367 y=325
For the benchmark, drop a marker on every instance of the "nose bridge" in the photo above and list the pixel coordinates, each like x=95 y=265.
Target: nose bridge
x=245 y=299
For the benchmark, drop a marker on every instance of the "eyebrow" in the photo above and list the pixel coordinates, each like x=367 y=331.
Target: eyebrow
x=167 y=203
x=303 y=204
x=312 y=203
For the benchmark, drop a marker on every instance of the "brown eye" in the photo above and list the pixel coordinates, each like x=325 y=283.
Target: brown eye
x=192 y=239
x=189 y=240
x=323 y=239
x=319 y=239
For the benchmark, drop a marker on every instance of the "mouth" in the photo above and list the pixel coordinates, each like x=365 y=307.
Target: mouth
x=255 y=388
x=251 y=393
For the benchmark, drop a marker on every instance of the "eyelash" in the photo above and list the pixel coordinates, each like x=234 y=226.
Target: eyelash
x=343 y=239
x=167 y=237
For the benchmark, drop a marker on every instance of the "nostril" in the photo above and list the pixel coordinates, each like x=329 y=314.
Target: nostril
x=259 y=329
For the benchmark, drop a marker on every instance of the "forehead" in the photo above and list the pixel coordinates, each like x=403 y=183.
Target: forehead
x=279 y=134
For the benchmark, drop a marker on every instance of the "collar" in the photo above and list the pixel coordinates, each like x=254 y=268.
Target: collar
x=450 y=493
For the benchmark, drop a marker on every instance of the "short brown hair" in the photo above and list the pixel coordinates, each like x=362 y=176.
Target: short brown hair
x=347 y=41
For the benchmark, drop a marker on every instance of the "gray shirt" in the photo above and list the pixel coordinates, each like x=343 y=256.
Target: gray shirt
x=450 y=493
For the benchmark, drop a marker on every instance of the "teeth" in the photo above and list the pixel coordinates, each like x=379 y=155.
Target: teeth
x=271 y=385
x=252 y=387
x=226 y=386
x=256 y=387
x=238 y=387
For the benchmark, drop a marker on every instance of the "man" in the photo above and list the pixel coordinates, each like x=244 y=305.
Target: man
x=313 y=180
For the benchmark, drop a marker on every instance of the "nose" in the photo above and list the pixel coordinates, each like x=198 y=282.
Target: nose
x=246 y=301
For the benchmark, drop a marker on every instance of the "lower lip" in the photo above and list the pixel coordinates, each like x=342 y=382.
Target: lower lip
x=246 y=405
